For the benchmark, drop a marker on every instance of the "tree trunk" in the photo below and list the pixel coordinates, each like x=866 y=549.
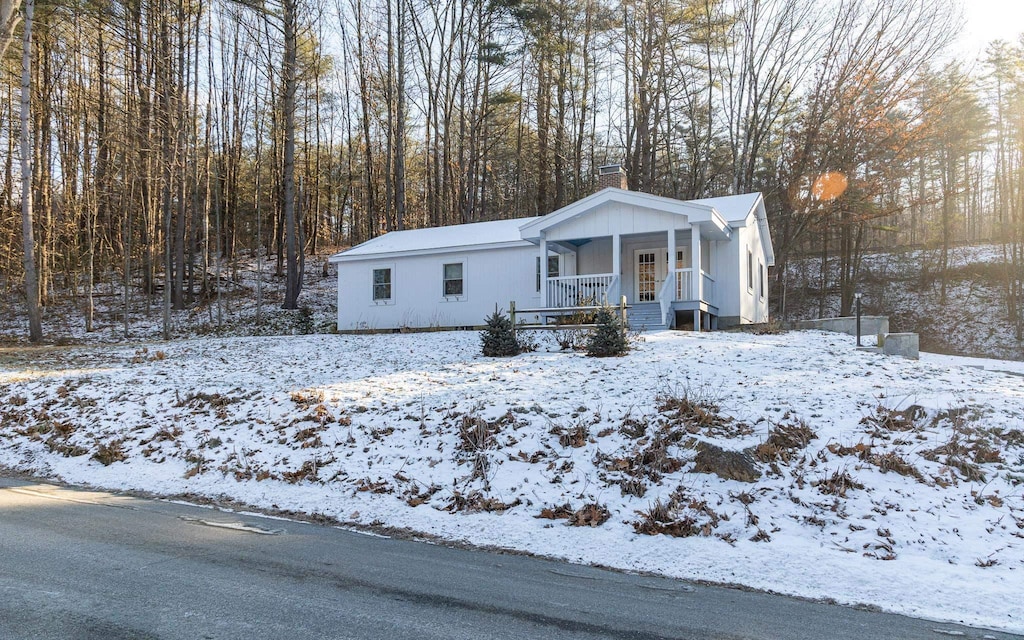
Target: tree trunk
x=291 y=296
x=35 y=325
x=9 y=19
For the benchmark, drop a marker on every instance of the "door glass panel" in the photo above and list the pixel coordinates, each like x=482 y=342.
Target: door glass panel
x=646 y=276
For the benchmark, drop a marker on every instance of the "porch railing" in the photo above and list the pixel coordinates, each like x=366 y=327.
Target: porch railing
x=707 y=288
x=575 y=291
x=684 y=286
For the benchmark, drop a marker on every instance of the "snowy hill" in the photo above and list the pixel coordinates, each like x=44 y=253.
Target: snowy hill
x=906 y=286
x=848 y=475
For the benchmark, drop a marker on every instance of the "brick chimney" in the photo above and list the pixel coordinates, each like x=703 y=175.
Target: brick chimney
x=611 y=175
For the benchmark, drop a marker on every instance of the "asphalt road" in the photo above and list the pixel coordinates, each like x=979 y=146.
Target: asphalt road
x=81 y=565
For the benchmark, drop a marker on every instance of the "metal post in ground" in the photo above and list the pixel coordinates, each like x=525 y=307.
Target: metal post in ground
x=856 y=297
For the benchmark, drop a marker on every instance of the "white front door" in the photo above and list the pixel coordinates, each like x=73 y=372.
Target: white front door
x=649 y=273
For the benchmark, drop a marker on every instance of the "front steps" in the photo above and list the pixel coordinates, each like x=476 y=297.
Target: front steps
x=645 y=316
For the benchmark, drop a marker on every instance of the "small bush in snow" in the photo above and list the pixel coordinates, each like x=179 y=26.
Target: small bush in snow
x=498 y=339
x=609 y=336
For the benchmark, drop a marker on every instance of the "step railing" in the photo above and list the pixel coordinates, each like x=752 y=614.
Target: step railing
x=665 y=296
x=707 y=287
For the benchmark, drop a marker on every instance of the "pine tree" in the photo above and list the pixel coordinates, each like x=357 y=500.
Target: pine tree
x=609 y=337
x=498 y=338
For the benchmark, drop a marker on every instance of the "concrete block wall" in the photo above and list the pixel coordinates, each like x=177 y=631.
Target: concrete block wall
x=902 y=344
x=869 y=325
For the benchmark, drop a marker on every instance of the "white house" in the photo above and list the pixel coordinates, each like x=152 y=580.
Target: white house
x=610 y=244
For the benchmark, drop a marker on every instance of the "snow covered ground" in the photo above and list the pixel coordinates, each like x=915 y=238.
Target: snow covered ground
x=862 y=478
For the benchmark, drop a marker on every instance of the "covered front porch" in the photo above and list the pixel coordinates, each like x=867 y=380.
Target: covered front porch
x=657 y=252
x=588 y=271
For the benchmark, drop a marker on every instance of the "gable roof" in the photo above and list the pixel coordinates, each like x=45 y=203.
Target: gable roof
x=458 y=237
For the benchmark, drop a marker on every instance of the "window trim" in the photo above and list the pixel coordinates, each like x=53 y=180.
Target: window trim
x=462 y=280
x=761 y=280
x=750 y=270
x=390 y=268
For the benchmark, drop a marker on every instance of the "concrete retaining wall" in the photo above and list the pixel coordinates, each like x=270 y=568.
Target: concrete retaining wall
x=869 y=325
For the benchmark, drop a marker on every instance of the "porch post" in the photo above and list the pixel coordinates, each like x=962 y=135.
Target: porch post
x=617 y=261
x=543 y=271
x=695 y=281
x=672 y=261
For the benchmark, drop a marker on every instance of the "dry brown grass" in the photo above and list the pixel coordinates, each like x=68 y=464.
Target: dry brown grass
x=558 y=512
x=110 y=452
x=590 y=515
x=784 y=441
x=681 y=516
x=476 y=501
x=695 y=411
x=838 y=484
x=575 y=436
x=893 y=461
x=883 y=421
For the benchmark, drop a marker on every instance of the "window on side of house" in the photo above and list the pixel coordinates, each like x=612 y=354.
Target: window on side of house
x=382 y=284
x=538 y=274
x=761 y=279
x=552 y=266
x=750 y=270
x=453 y=282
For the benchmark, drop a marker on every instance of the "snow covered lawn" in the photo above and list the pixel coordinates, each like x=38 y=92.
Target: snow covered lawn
x=875 y=480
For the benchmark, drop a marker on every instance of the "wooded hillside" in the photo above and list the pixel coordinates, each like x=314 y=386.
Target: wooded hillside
x=162 y=141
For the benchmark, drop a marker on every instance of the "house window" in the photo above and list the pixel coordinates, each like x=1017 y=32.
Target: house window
x=750 y=271
x=552 y=269
x=453 y=279
x=761 y=279
x=382 y=284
